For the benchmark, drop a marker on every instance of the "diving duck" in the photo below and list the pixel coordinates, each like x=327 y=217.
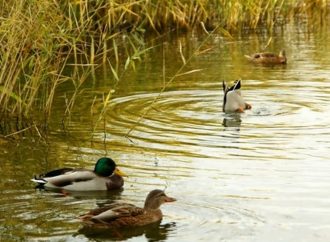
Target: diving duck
x=105 y=176
x=233 y=100
x=123 y=215
x=268 y=58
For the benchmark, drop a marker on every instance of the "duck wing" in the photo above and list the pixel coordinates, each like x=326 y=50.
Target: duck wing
x=64 y=177
x=267 y=55
x=41 y=179
x=257 y=56
x=112 y=212
x=57 y=172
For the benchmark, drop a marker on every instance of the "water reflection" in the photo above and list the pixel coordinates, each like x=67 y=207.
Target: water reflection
x=152 y=232
x=56 y=192
x=253 y=177
x=232 y=121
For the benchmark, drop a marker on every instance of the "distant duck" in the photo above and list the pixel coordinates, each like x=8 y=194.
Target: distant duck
x=123 y=215
x=268 y=58
x=233 y=100
x=105 y=176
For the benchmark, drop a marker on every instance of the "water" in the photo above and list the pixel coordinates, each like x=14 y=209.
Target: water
x=258 y=176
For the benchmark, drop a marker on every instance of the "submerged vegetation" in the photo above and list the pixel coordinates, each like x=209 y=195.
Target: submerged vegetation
x=45 y=43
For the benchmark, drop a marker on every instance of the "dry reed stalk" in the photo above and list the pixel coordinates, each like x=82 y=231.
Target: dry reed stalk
x=41 y=38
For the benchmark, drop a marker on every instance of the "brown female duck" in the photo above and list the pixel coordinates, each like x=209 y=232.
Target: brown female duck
x=121 y=215
x=268 y=58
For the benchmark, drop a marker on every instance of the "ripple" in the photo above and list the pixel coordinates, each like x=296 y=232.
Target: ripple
x=256 y=176
x=234 y=171
x=191 y=123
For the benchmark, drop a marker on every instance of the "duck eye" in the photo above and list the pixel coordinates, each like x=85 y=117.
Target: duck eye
x=160 y=195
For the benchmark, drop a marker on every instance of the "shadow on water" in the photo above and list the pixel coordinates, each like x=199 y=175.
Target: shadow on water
x=56 y=193
x=153 y=232
x=232 y=120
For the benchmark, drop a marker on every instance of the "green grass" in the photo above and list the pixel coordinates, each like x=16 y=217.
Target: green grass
x=40 y=39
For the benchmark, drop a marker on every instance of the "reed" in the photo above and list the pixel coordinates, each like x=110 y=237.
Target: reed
x=40 y=39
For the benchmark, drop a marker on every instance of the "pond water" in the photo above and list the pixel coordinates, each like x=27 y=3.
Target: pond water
x=259 y=176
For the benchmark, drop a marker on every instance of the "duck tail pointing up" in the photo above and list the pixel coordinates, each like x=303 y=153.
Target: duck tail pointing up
x=224 y=86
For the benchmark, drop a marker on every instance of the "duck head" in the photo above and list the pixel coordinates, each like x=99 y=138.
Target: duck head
x=233 y=100
x=106 y=167
x=156 y=198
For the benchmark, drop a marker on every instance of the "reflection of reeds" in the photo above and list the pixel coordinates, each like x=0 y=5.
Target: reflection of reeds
x=39 y=39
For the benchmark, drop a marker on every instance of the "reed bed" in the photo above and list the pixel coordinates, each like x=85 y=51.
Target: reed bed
x=42 y=39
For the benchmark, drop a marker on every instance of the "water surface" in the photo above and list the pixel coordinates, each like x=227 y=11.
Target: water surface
x=258 y=176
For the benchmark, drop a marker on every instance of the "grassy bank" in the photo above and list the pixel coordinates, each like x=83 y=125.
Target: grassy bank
x=41 y=38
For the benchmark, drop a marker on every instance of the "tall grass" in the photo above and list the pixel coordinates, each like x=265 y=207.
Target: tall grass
x=41 y=38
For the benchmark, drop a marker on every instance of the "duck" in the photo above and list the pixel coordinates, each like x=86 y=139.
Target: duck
x=124 y=215
x=268 y=58
x=105 y=177
x=233 y=100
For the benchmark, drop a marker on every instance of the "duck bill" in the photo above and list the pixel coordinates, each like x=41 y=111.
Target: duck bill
x=119 y=172
x=170 y=199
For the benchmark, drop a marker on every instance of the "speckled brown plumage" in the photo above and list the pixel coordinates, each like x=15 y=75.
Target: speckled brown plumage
x=268 y=58
x=118 y=215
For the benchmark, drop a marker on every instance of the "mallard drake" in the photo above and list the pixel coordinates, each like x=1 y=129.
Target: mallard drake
x=123 y=215
x=105 y=176
x=268 y=58
x=233 y=100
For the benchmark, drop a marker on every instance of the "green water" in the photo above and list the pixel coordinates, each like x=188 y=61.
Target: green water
x=260 y=176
